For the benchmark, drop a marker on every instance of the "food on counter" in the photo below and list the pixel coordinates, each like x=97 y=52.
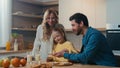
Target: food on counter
x=49 y=58
x=23 y=62
x=15 y=62
x=6 y=63
x=43 y=65
x=12 y=61
x=36 y=66
x=48 y=65
x=55 y=63
x=62 y=64
x=1 y=60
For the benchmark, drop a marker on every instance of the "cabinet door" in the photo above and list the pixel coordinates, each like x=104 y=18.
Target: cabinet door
x=95 y=10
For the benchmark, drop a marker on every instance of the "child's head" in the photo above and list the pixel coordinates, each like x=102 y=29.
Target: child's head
x=58 y=35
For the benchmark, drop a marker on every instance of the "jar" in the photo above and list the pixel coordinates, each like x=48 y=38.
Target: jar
x=8 y=46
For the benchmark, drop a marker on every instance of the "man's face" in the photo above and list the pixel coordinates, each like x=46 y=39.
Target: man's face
x=77 y=29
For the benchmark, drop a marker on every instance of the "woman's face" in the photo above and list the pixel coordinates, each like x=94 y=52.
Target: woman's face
x=58 y=38
x=51 y=19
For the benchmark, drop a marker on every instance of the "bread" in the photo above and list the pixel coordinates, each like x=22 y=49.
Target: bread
x=43 y=65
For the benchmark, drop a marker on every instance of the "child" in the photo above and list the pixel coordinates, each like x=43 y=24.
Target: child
x=60 y=43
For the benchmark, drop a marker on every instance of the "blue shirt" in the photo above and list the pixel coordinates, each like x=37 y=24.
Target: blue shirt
x=95 y=50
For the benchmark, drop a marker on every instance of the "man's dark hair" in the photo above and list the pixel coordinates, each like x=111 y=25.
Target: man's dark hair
x=78 y=17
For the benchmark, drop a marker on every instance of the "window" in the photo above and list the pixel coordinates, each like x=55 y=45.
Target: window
x=5 y=21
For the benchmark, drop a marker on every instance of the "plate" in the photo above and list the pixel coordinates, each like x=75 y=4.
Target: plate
x=63 y=64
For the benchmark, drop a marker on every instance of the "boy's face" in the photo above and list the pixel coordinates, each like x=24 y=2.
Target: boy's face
x=58 y=38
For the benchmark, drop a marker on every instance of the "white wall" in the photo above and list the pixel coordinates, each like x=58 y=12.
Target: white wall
x=100 y=14
x=5 y=21
x=113 y=12
x=66 y=9
x=0 y=27
x=95 y=10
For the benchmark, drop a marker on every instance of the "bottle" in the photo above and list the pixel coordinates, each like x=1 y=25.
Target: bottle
x=29 y=57
x=15 y=45
x=8 y=46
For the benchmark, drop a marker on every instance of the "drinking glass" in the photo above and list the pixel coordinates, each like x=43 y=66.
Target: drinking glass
x=29 y=57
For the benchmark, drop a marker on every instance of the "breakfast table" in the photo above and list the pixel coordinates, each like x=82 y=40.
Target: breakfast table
x=71 y=66
x=83 y=66
x=74 y=65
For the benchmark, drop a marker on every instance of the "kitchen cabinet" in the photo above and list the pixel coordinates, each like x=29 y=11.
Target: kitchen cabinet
x=95 y=10
x=27 y=15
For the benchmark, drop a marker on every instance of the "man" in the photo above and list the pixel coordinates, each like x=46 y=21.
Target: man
x=95 y=49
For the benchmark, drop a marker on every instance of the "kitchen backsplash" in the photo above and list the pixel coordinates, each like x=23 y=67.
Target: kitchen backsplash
x=76 y=40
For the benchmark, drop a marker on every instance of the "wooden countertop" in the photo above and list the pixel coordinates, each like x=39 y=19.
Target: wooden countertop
x=11 y=51
x=82 y=66
x=73 y=66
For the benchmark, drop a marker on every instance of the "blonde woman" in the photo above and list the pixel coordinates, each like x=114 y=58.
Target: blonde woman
x=43 y=38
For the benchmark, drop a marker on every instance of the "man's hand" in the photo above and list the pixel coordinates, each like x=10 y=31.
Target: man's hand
x=61 y=53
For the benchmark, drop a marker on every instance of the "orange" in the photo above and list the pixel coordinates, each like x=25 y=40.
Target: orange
x=6 y=63
x=23 y=62
x=15 y=62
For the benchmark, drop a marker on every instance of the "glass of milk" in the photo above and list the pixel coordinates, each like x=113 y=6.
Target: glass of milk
x=29 y=57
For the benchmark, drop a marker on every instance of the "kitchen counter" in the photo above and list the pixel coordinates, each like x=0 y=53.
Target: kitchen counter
x=83 y=66
x=72 y=66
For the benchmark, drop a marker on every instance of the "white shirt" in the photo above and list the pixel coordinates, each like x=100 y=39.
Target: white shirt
x=45 y=46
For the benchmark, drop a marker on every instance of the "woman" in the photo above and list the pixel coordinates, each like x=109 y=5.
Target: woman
x=43 y=40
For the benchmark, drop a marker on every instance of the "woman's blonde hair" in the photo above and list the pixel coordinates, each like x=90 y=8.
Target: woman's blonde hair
x=46 y=28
